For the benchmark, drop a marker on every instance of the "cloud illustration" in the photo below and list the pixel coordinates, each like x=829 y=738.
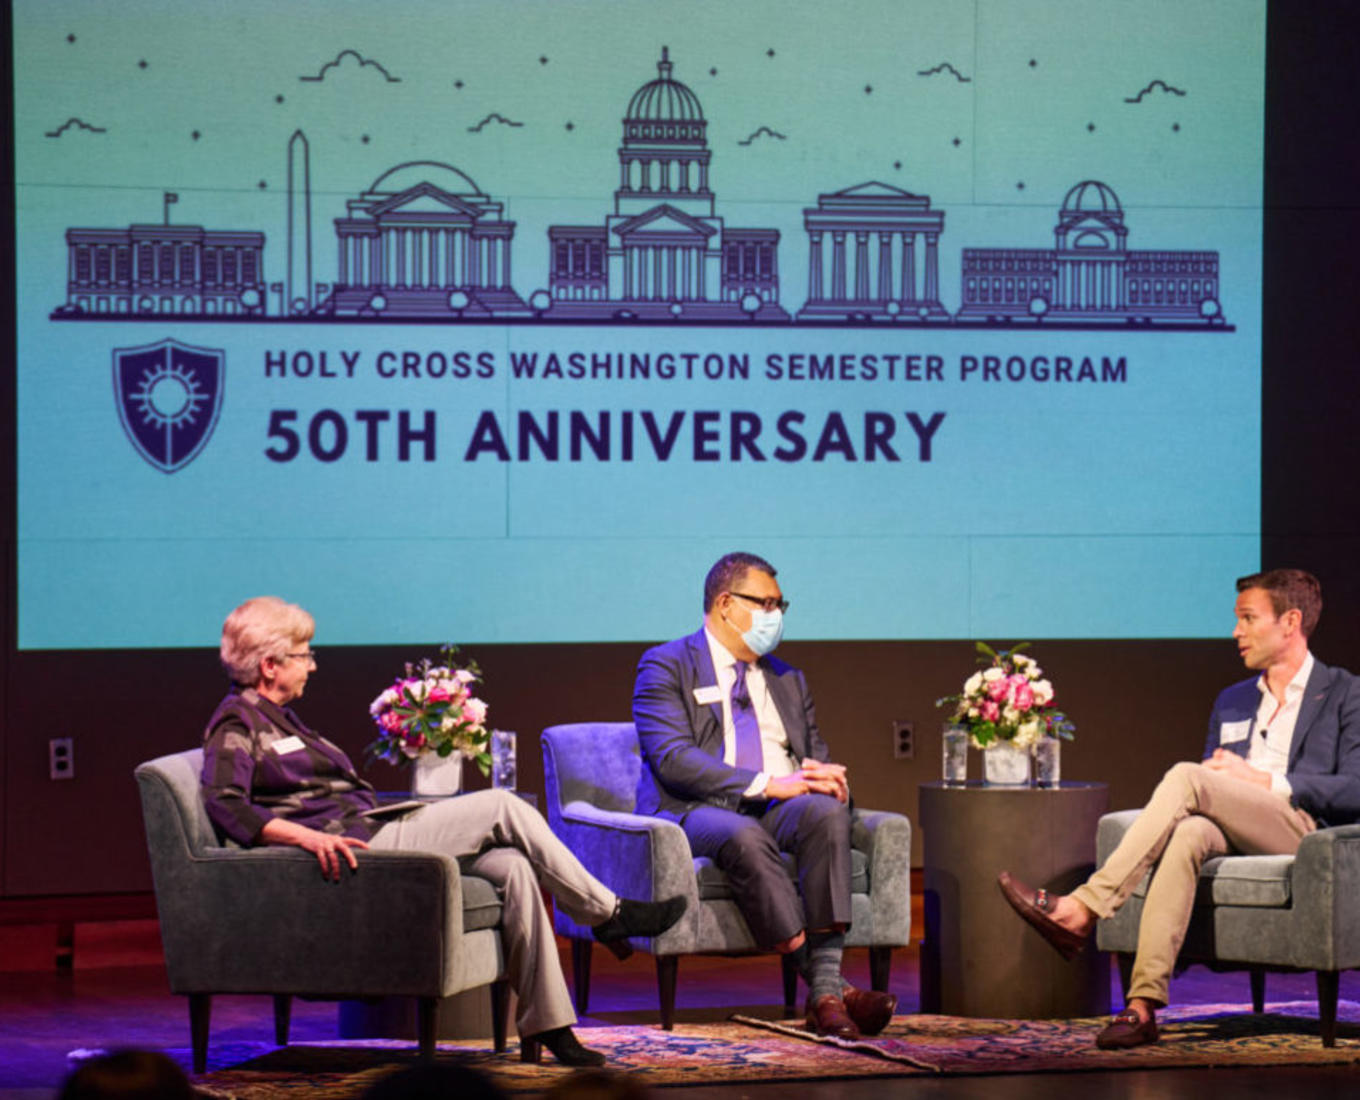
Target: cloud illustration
x=764 y=131
x=78 y=124
x=364 y=63
x=494 y=116
x=946 y=67
x=1156 y=86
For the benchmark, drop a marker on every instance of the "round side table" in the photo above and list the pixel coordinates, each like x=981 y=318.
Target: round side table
x=979 y=957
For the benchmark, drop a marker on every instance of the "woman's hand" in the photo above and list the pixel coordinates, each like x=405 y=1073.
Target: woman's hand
x=329 y=848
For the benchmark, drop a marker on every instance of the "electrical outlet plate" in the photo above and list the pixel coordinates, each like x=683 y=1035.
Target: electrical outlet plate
x=904 y=740
x=61 y=758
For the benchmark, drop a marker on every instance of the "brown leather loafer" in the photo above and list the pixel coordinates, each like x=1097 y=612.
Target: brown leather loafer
x=868 y=1009
x=1127 y=1030
x=1035 y=906
x=827 y=1016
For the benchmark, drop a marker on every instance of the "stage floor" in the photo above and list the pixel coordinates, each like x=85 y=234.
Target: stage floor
x=116 y=996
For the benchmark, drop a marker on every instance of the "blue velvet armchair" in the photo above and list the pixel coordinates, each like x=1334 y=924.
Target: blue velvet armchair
x=591 y=772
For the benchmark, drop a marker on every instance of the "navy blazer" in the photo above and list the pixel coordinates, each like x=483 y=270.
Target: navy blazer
x=1324 y=758
x=682 y=739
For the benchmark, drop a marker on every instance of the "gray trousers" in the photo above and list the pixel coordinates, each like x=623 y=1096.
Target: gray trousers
x=497 y=836
x=1194 y=814
x=815 y=828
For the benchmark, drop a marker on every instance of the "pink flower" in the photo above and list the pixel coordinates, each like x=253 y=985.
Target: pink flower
x=996 y=690
x=991 y=711
x=1024 y=696
x=390 y=721
x=439 y=695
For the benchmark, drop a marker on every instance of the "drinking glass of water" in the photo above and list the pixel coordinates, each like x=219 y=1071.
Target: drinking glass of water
x=1047 y=762
x=955 y=755
x=503 y=771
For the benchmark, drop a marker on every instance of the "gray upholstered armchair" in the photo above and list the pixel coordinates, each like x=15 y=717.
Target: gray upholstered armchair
x=263 y=920
x=1260 y=913
x=590 y=774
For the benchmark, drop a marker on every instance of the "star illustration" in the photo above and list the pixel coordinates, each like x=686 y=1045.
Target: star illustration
x=868 y=89
x=196 y=135
x=769 y=52
x=1020 y=186
x=262 y=185
x=458 y=84
x=70 y=38
x=957 y=143
x=1033 y=64
x=365 y=139
x=897 y=164
x=542 y=60
x=571 y=126
x=278 y=99
x=1090 y=127
x=142 y=64
x=712 y=72
x=1175 y=127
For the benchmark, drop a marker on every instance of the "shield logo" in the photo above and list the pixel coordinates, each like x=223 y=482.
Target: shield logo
x=169 y=396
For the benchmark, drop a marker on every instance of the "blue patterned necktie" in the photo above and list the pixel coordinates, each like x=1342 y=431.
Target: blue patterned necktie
x=749 y=753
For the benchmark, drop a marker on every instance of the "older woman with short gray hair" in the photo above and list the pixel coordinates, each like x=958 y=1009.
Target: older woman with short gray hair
x=269 y=779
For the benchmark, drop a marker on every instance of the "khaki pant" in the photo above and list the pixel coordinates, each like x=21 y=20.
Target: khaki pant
x=1193 y=815
x=498 y=836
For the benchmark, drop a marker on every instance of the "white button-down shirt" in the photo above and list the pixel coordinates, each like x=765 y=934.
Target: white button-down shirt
x=1272 y=734
x=774 y=741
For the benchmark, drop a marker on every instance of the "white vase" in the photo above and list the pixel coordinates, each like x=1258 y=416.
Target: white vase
x=435 y=776
x=1003 y=765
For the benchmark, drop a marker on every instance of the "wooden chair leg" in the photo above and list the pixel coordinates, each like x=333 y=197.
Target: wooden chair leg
x=667 y=967
x=1125 y=974
x=1328 y=986
x=1258 y=989
x=580 y=973
x=500 y=1014
x=283 y=1015
x=427 y=1025
x=880 y=968
x=789 y=969
x=200 y=1014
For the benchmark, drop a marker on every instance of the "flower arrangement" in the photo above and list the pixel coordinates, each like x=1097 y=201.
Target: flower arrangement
x=431 y=709
x=1007 y=700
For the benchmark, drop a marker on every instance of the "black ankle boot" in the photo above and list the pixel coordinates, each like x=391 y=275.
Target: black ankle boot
x=637 y=918
x=566 y=1048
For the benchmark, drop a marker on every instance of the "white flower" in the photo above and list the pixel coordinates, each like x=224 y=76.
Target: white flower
x=464 y=675
x=993 y=673
x=1034 y=672
x=1043 y=692
x=972 y=684
x=475 y=710
x=1009 y=715
x=1027 y=734
x=1020 y=661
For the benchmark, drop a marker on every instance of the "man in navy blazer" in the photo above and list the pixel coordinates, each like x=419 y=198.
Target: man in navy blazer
x=735 y=758
x=1282 y=759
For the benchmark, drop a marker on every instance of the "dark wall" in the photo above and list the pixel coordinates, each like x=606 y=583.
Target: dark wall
x=1139 y=705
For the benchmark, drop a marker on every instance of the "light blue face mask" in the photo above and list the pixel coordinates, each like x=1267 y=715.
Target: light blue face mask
x=767 y=628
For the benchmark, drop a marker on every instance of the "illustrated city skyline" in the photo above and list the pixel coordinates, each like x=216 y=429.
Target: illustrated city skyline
x=424 y=243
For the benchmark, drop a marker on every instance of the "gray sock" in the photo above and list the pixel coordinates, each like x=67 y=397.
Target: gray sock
x=820 y=963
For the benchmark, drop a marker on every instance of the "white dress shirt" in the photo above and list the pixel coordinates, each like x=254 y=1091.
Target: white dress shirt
x=1272 y=733
x=774 y=742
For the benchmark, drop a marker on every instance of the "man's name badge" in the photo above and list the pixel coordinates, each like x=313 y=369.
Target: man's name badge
x=287 y=744
x=705 y=696
x=1231 y=732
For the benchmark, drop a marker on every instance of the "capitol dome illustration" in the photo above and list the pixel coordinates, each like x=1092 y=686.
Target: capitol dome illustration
x=664 y=253
x=1091 y=197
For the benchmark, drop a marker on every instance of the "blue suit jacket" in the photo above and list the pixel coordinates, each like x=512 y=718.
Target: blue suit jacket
x=1324 y=759
x=682 y=739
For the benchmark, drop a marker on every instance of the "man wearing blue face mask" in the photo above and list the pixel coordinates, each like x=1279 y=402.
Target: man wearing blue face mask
x=736 y=760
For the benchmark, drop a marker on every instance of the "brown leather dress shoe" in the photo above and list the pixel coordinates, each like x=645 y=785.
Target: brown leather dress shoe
x=827 y=1016
x=1035 y=906
x=870 y=1010
x=1127 y=1030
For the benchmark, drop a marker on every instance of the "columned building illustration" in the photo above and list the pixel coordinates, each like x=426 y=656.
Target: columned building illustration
x=873 y=255
x=424 y=241
x=1090 y=275
x=166 y=269
x=664 y=253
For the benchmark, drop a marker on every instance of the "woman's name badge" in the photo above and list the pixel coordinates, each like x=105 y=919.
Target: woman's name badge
x=288 y=744
x=705 y=696
x=1231 y=732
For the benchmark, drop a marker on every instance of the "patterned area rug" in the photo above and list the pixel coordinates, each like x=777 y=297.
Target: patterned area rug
x=746 y=1049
